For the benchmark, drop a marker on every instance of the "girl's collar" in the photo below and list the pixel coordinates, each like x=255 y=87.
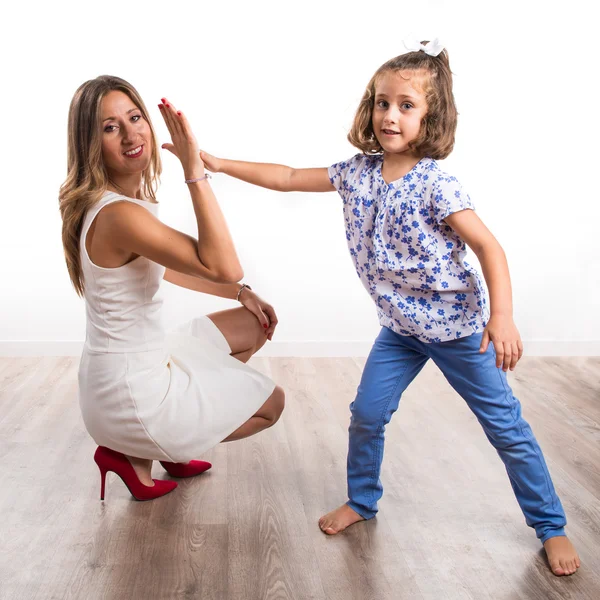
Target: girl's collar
x=423 y=165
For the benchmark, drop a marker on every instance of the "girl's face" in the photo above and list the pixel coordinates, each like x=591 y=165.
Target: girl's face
x=126 y=135
x=398 y=110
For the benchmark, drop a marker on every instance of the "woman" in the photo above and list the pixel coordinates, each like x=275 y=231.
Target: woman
x=147 y=395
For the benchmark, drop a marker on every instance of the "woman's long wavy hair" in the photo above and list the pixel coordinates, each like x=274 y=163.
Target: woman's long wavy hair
x=87 y=179
x=438 y=126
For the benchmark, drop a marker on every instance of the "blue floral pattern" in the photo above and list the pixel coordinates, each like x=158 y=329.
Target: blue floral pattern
x=409 y=260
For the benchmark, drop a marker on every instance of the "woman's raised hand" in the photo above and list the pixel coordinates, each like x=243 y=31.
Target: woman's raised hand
x=184 y=145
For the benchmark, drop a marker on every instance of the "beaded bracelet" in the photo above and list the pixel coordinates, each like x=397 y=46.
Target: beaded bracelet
x=206 y=176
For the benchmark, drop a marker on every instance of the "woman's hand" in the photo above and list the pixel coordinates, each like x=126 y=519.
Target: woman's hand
x=263 y=311
x=503 y=333
x=184 y=146
x=212 y=163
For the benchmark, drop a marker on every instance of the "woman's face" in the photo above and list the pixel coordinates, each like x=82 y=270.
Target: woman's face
x=126 y=135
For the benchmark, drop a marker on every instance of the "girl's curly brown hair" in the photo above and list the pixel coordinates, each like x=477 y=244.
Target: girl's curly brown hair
x=438 y=126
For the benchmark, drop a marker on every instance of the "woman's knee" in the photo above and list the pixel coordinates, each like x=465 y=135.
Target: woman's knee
x=274 y=405
x=257 y=336
x=261 y=338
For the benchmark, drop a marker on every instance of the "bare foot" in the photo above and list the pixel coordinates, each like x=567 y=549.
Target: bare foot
x=337 y=520
x=561 y=555
x=143 y=469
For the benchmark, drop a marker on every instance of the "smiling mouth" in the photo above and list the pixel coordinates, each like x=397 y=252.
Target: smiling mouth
x=390 y=132
x=135 y=152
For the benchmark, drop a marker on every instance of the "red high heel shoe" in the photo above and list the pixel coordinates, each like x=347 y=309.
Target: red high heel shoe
x=111 y=460
x=194 y=467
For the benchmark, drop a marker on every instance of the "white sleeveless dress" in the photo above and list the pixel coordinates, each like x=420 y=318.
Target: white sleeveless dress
x=147 y=392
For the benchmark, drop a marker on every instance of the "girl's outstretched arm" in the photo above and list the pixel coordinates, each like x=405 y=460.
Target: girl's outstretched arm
x=273 y=177
x=501 y=329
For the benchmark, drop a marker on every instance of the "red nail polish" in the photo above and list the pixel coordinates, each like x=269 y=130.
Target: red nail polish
x=163 y=100
x=266 y=326
x=179 y=112
x=167 y=105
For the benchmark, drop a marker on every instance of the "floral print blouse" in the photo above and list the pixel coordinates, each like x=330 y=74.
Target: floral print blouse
x=407 y=258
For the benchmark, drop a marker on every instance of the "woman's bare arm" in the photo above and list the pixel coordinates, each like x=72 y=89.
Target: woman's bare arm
x=211 y=256
x=135 y=230
x=204 y=286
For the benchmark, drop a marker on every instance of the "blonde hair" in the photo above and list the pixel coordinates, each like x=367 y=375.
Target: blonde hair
x=438 y=126
x=87 y=179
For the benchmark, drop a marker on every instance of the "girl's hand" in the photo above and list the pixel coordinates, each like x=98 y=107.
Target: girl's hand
x=184 y=145
x=212 y=163
x=503 y=333
x=263 y=311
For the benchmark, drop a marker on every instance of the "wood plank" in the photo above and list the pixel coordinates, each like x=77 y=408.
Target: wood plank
x=448 y=526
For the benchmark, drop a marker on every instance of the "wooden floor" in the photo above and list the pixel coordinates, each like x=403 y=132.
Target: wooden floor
x=449 y=526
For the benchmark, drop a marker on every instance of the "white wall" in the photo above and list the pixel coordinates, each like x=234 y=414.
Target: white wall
x=279 y=81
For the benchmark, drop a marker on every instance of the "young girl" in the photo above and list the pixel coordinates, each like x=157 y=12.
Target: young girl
x=407 y=226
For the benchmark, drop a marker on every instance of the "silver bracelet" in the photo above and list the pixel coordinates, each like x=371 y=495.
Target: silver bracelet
x=206 y=176
x=244 y=285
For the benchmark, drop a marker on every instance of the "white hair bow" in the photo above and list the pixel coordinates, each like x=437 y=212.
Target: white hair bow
x=432 y=48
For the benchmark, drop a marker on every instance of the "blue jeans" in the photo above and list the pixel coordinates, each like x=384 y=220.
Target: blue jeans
x=394 y=361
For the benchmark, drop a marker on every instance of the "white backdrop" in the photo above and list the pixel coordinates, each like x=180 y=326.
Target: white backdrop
x=279 y=82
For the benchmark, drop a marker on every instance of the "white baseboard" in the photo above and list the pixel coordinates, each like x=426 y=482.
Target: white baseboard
x=316 y=349
x=568 y=348
x=301 y=349
x=40 y=348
